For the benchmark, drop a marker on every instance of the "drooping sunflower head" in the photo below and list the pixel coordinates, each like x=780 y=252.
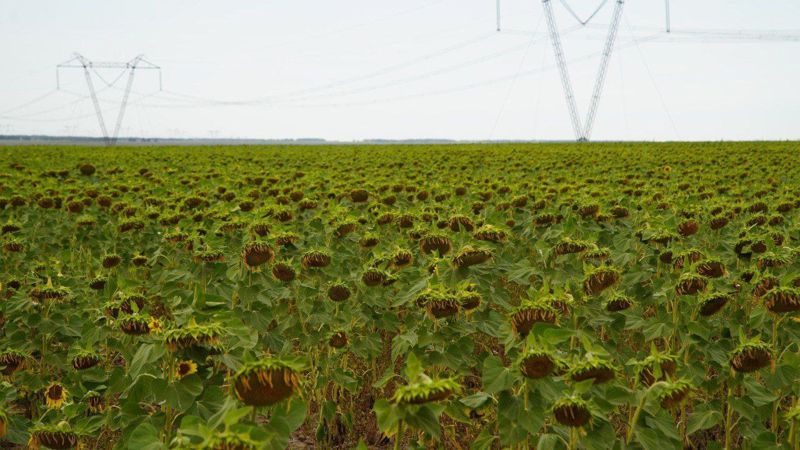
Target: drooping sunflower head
x=690 y=283
x=435 y=242
x=490 y=233
x=338 y=291
x=267 y=381
x=713 y=302
x=85 y=359
x=95 y=402
x=710 y=267
x=439 y=302
x=538 y=363
x=772 y=260
x=568 y=246
x=136 y=324
x=98 y=283
x=470 y=256
x=529 y=313
x=111 y=260
x=194 y=335
x=374 y=276
x=49 y=293
x=593 y=368
x=286 y=239
x=401 y=257
x=657 y=366
x=600 y=278
x=780 y=300
x=563 y=303
x=316 y=259
x=673 y=393
x=58 y=436
x=425 y=390
x=572 y=411
x=257 y=253
x=751 y=356
x=469 y=299
x=345 y=227
x=596 y=255
x=618 y=302
x=210 y=256
x=11 y=361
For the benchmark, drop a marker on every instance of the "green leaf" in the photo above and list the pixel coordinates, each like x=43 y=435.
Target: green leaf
x=653 y=439
x=496 y=378
x=703 y=420
x=475 y=400
x=484 y=440
x=181 y=394
x=235 y=415
x=424 y=419
x=413 y=366
x=345 y=379
x=387 y=375
x=145 y=437
x=514 y=422
x=146 y=355
x=582 y=387
x=285 y=419
x=548 y=441
x=387 y=415
x=758 y=393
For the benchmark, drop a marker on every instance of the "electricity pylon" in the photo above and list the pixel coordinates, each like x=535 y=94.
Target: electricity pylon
x=582 y=130
x=78 y=61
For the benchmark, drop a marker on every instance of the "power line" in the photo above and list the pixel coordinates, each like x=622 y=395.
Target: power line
x=343 y=82
x=30 y=102
x=513 y=82
x=655 y=85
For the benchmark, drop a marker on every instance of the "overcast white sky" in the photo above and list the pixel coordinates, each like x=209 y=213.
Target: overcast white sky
x=360 y=69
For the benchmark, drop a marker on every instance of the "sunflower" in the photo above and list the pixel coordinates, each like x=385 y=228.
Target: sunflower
x=155 y=325
x=667 y=169
x=55 y=395
x=185 y=368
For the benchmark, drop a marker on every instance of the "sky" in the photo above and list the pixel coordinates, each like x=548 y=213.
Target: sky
x=367 y=69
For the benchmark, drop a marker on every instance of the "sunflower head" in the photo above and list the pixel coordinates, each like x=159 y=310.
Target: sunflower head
x=193 y=335
x=572 y=411
x=55 y=395
x=674 y=393
x=185 y=368
x=425 y=390
x=751 y=356
x=155 y=325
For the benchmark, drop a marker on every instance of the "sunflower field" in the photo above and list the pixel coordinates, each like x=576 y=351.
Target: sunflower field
x=508 y=296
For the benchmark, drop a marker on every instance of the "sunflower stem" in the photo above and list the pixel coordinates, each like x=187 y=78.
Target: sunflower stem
x=399 y=436
x=729 y=420
x=573 y=438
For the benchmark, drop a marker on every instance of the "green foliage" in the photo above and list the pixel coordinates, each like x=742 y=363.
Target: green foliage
x=401 y=291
